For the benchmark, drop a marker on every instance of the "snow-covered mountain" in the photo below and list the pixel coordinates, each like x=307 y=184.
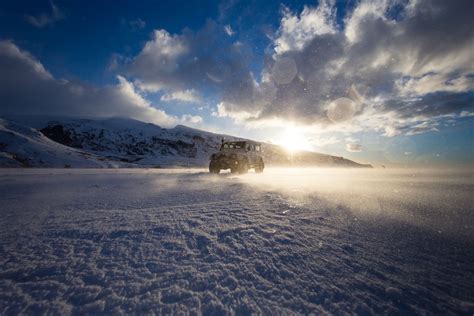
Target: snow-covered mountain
x=120 y=142
x=22 y=146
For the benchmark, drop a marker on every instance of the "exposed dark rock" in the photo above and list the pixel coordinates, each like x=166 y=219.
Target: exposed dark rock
x=58 y=134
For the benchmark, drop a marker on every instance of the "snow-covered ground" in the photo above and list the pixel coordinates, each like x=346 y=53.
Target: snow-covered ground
x=286 y=241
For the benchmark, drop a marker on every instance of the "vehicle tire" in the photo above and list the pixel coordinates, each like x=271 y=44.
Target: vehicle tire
x=243 y=167
x=236 y=164
x=214 y=167
x=260 y=166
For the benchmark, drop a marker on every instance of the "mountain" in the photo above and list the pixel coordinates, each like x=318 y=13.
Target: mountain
x=22 y=146
x=119 y=142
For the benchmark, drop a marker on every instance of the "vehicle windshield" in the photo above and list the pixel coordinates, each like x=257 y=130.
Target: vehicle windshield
x=241 y=145
x=234 y=145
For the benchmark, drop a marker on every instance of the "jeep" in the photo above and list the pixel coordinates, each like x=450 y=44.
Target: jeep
x=238 y=156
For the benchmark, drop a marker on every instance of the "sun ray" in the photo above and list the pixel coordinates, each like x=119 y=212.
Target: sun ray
x=293 y=139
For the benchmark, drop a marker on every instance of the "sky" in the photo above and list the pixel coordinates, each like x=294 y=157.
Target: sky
x=381 y=82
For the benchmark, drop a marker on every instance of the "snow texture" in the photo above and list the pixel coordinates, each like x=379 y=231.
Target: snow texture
x=321 y=241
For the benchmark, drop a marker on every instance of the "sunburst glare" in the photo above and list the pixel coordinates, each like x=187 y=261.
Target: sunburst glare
x=294 y=139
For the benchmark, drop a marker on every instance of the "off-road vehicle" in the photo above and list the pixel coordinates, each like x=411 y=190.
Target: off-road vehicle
x=238 y=156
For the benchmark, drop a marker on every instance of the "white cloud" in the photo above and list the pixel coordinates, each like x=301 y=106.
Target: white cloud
x=164 y=45
x=434 y=82
x=141 y=108
x=365 y=10
x=193 y=119
x=353 y=145
x=159 y=56
x=298 y=30
x=148 y=86
x=391 y=131
x=228 y=30
x=45 y=19
x=423 y=127
x=466 y=114
x=182 y=96
x=222 y=110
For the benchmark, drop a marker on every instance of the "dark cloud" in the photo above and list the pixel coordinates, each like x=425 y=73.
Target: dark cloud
x=26 y=87
x=133 y=25
x=205 y=60
x=431 y=105
x=44 y=19
x=371 y=54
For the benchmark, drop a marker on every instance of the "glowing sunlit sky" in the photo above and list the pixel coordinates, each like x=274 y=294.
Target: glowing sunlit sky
x=386 y=82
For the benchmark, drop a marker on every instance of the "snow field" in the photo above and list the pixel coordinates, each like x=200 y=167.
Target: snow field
x=287 y=241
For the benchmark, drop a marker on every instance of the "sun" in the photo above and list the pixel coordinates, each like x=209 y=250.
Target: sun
x=293 y=139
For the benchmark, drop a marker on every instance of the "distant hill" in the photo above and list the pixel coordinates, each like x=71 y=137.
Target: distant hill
x=119 y=142
x=22 y=146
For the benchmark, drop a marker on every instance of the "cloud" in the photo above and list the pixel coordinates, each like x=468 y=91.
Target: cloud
x=204 y=60
x=116 y=61
x=26 y=87
x=423 y=127
x=389 y=66
x=434 y=82
x=228 y=30
x=298 y=30
x=370 y=56
x=182 y=96
x=466 y=114
x=133 y=25
x=45 y=19
x=239 y=116
x=191 y=119
x=353 y=147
